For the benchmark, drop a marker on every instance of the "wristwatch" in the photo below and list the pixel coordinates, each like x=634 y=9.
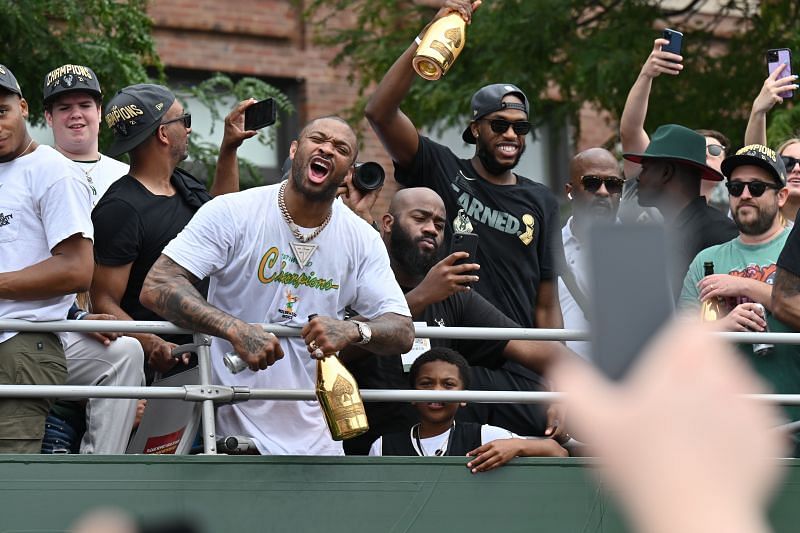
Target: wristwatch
x=364 y=332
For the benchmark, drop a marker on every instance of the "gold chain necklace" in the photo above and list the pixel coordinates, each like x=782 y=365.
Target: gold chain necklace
x=302 y=250
x=292 y=226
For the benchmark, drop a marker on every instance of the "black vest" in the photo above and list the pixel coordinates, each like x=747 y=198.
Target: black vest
x=464 y=438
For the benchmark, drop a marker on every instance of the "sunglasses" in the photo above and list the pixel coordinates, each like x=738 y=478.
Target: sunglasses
x=756 y=188
x=499 y=125
x=186 y=118
x=790 y=161
x=592 y=183
x=715 y=149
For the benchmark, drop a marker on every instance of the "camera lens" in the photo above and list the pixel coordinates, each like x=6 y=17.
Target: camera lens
x=368 y=176
x=772 y=55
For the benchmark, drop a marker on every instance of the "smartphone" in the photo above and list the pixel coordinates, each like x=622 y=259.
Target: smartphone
x=260 y=115
x=775 y=58
x=631 y=294
x=675 y=39
x=465 y=242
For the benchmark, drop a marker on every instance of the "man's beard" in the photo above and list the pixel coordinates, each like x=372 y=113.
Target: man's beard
x=491 y=164
x=326 y=194
x=406 y=253
x=762 y=223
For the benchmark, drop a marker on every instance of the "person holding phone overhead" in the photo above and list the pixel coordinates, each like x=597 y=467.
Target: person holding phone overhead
x=778 y=85
x=515 y=218
x=665 y=58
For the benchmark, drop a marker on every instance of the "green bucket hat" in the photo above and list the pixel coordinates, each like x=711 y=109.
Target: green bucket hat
x=678 y=143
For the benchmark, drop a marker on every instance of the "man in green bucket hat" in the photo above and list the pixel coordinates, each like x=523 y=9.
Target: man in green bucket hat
x=673 y=165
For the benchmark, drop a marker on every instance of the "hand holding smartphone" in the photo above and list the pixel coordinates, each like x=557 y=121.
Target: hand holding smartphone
x=777 y=57
x=675 y=39
x=260 y=115
x=465 y=242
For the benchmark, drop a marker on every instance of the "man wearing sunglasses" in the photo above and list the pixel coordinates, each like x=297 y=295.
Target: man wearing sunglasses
x=145 y=209
x=744 y=268
x=594 y=191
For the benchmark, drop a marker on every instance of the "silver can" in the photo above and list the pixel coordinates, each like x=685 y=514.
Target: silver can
x=762 y=349
x=233 y=362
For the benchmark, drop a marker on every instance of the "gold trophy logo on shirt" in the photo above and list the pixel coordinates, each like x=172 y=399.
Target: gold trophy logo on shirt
x=462 y=224
x=527 y=236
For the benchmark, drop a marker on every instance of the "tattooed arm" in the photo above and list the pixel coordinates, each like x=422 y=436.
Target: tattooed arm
x=786 y=298
x=168 y=291
x=391 y=334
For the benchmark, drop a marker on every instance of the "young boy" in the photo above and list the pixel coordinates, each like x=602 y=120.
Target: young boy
x=438 y=434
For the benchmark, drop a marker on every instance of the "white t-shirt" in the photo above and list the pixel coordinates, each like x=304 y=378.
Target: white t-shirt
x=576 y=255
x=438 y=442
x=42 y=202
x=243 y=243
x=100 y=174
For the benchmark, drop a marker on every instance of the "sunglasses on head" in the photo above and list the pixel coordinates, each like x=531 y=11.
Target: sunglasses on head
x=756 y=188
x=790 y=161
x=715 y=149
x=186 y=118
x=592 y=183
x=499 y=125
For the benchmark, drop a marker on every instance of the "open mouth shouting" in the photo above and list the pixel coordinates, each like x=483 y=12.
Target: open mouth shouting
x=319 y=168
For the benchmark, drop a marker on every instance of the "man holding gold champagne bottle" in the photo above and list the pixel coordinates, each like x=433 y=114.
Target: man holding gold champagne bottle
x=277 y=254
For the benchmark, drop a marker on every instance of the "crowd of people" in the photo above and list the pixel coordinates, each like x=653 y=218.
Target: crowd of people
x=86 y=237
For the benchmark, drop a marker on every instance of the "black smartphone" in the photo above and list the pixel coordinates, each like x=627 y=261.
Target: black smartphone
x=260 y=115
x=777 y=57
x=631 y=295
x=465 y=242
x=675 y=39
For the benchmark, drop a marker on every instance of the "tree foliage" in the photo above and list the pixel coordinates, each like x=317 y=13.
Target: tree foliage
x=590 y=50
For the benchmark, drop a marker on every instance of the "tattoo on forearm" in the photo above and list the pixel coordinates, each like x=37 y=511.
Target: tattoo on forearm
x=787 y=285
x=391 y=333
x=169 y=290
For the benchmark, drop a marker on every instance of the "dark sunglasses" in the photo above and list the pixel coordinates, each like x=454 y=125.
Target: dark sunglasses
x=756 y=188
x=592 y=183
x=715 y=149
x=499 y=125
x=186 y=118
x=790 y=161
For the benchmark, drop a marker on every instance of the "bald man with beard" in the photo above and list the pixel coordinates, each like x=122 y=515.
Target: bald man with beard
x=594 y=191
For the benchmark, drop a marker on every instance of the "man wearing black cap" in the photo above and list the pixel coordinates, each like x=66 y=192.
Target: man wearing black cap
x=516 y=219
x=142 y=211
x=73 y=109
x=744 y=268
x=672 y=166
x=45 y=258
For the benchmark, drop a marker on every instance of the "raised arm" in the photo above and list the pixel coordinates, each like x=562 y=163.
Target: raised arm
x=631 y=124
x=67 y=271
x=395 y=130
x=226 y=176
x=168 y=291
x=767 y=98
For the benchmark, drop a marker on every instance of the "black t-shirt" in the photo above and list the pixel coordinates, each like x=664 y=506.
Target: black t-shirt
x=133 y=225
x=518 y=226
x=697 y=227
x=463 y=309
x=789 y=259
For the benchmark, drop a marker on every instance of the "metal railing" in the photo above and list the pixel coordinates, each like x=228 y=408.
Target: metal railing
x=208 y=393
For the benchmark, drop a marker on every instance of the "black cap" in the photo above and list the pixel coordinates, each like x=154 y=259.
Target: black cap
x=134 y=114
x=490 y=99
x=8 y=81
x=760 y=156
x=70 y=78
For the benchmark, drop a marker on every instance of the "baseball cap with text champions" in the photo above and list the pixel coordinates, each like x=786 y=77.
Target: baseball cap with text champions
x=134 y=113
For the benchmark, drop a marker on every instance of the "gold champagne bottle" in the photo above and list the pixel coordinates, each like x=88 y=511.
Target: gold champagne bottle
x=339 y=398
x=713 y=308
x=440 y=46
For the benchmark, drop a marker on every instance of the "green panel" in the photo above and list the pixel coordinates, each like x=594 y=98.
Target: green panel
x=358 y=494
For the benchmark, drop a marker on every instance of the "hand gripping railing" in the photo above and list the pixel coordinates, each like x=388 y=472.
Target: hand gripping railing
x=209 y=394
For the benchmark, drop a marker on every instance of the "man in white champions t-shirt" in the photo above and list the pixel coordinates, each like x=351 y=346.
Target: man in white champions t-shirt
x=276 y=255
x=72 y=108
x=45 y=258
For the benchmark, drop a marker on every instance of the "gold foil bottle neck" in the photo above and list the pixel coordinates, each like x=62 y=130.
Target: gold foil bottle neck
x=340 y=399
x=440 y=46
